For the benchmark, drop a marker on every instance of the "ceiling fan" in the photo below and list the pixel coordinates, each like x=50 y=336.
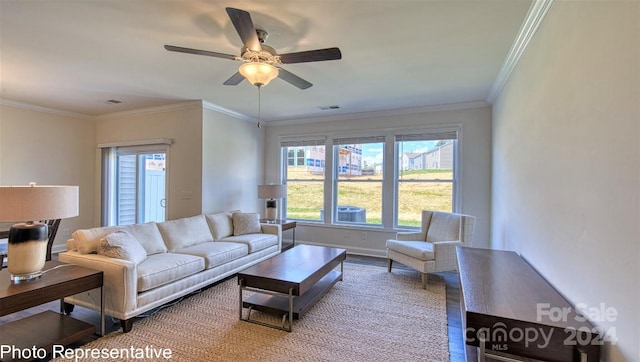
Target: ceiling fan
x=261 y=62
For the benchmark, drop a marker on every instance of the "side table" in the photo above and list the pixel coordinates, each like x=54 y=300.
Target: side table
x=48 y=328
x=285 y=225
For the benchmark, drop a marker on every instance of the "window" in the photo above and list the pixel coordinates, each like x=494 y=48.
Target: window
x=358 y=175
x=382 y=180
x=304 y=175
x=134 y=184
x=425 y=175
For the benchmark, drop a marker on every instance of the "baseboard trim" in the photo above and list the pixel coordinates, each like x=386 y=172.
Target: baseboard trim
x=376 y=253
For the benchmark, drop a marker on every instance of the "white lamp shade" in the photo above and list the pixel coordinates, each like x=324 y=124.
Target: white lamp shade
x=34 y=203
x=272 y=191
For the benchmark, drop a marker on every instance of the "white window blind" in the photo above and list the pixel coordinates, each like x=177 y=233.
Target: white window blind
x=358 y=140
x=428 y=136
x=302 y=141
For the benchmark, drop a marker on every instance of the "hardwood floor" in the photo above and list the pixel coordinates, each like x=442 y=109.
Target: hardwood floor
x=456 y=345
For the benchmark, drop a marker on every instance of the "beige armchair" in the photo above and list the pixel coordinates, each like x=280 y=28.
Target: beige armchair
x=433 y=248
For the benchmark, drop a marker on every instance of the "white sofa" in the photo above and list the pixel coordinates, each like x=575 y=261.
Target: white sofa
x=169 y=260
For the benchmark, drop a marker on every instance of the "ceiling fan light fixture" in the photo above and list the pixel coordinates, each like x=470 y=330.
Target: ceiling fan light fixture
x=258 y=74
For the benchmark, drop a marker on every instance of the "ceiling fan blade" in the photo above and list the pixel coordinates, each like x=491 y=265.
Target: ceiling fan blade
x=244 y=26
x=293 y=79
x=174 y=48
x=311 y=56
x=235 y=79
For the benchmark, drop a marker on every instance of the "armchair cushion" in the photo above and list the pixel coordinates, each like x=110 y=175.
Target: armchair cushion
x=443 y=226
x=416 y=249
x=411 y=236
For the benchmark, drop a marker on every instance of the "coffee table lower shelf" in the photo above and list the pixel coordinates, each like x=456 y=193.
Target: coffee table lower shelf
x=44 y=330
x=301 y=304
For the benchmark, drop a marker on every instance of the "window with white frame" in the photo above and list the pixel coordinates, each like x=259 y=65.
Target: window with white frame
x=363 y=188
x=426 y=178
x=304 y=175
x=358 y=180
x=134 y=186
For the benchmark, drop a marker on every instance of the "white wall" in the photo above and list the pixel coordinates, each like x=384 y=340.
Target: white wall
x=50 y=149
x=566 y=161
x=232 y=163
x=181 y=123
x=475 y=171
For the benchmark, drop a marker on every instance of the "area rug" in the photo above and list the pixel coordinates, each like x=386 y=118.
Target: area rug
x=371 y=315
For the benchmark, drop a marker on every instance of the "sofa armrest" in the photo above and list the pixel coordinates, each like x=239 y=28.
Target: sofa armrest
x=273 y=229
x=409 y=236
x=444 y=253
x=120 y=281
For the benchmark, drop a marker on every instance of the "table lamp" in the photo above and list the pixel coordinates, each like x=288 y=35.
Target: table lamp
x=272 y=192
x=29 y=206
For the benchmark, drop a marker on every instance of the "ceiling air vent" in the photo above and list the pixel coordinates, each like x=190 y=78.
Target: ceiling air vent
x=328 y=108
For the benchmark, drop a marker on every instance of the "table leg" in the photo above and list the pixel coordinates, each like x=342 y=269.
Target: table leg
x=290 y=310
x=241 y=283
x=102 y=310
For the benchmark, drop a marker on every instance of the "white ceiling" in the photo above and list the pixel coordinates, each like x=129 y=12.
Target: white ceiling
x=74 y=55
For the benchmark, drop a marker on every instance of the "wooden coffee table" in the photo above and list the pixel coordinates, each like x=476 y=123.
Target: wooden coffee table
x=290 y=283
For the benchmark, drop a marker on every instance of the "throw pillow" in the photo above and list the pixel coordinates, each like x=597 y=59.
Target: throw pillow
x=246 y=223
x=122 y=245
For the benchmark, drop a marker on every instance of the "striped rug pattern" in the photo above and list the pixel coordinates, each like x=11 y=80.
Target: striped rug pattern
x=371 y=315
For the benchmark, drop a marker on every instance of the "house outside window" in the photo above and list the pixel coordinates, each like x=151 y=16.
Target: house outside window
x=358 y=181
x=304 y=176
x=425 y=175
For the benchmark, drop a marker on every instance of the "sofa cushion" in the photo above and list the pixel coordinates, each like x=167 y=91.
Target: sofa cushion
x=255 y=242
x=444 y=227
x=164 y=268
x=216 y=253
x=148 y=236
x=181 y=233
x=221 y=225
x=416 y=249
x=88 y=240
x=246 y=223
x=122 y=245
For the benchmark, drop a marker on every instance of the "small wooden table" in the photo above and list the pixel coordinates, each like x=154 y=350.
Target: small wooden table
x=290 y=283
x=48 y=328
x=506 y=309
x=284 y=226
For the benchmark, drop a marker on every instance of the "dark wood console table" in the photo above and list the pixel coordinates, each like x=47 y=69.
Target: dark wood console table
x=46 y=329
x=510 y=311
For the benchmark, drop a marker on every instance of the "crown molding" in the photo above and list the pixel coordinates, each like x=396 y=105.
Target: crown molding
x=382 y=113
x=151 y=110
x=214 y=107
x=535 y=16
x=57 y=112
